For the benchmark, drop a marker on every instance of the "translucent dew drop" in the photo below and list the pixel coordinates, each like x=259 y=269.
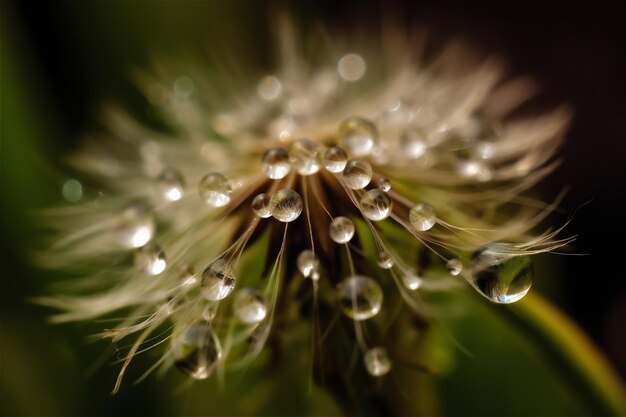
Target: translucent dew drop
x=305 y=156
x=135 y=226
x=170 y=184
x=197 y=352
x=341 y=229
x=454 y=266
x=335 y=159
x=358 y=136
x=500 y=277
x=217 y=281
x=413 y=144
x=261 y=206
x=384 y=260
x=475 y=170
x=269 y=88
x=360 y=297
x=422 y=217
x=376 y=205
x=384 y=184
x=286 y=205
x=307 y=263
x=357 y=173
x=150 y=259
x=351 y=67
x=377 y=361
x=411 y=280
x=276 y=163
x=72 y=190
x=215 y=189
x=249 y=306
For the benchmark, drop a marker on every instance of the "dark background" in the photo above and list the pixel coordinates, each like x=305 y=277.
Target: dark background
x=83 y=51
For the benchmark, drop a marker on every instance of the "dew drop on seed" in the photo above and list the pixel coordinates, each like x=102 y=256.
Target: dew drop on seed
x=384 y=184
x=269 y=88
x=305 y=156
x=357 y=173
x=335 y=159
x=249 y=306
x=412 y=144
x=454 y=266
x=360 y=297
x=358 y=136
x=500 y=277
x=384 y=260
x=72 y=191
x=410 y=280
x=286 y=205
x=197 y=352
x=217 y=281
x=377 y=361
x=215 y=189
x=261 y=206
x=351 y=67
x=135 y=226
x=170 y=184
x=376 y=205
x=307 y=263
x=341 y=229
x=276 y=163
x=150 y=259
x=422 y=217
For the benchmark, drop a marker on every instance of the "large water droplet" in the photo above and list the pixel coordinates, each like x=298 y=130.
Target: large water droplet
x=197 y=352
x=422 y=217
x=307 y=263
x=150 y=259
x=170 y=184
x=286 y=205
x=276 y=163
x=500 y=277
x=261 y=206
x=341 y=229
x=217 y=281
x=376 y=205
x=413 y=144
x=360 y=297
x=135 y=226
x=377 y=361
x=215 y=189
x=358 y=136
x=305 y=156
x=357 y=173
x=249 y=306
x=351 y=67
x=335 y=159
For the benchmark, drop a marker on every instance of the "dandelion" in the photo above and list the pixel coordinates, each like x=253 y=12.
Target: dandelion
x=358 y=181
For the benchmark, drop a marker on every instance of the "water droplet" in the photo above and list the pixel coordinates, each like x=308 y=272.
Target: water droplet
x=135 y=226
x=197 y=352
x=357 y=173
x=384 y=184
x=413 y=144
x=335 y=159
x=183 y=87
x=454 y=266
x=170 y=184
x=385 y=261
x=475 y=169
x=377 y=361
x=360 y=297
x=376 y=205
x=72 y=190
x=410 y=280
x=351 y=67
x=276 y=163
x=150 y=259
x=341 y=229
x=500 y=277
x=215 y=189
x=422 y=217
x=358 y=136
x=261 y=206
x=305 y=156
x=307 y=263
x=249 y=306
x=269 y=88
x=217 y=281
x=286 y=205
